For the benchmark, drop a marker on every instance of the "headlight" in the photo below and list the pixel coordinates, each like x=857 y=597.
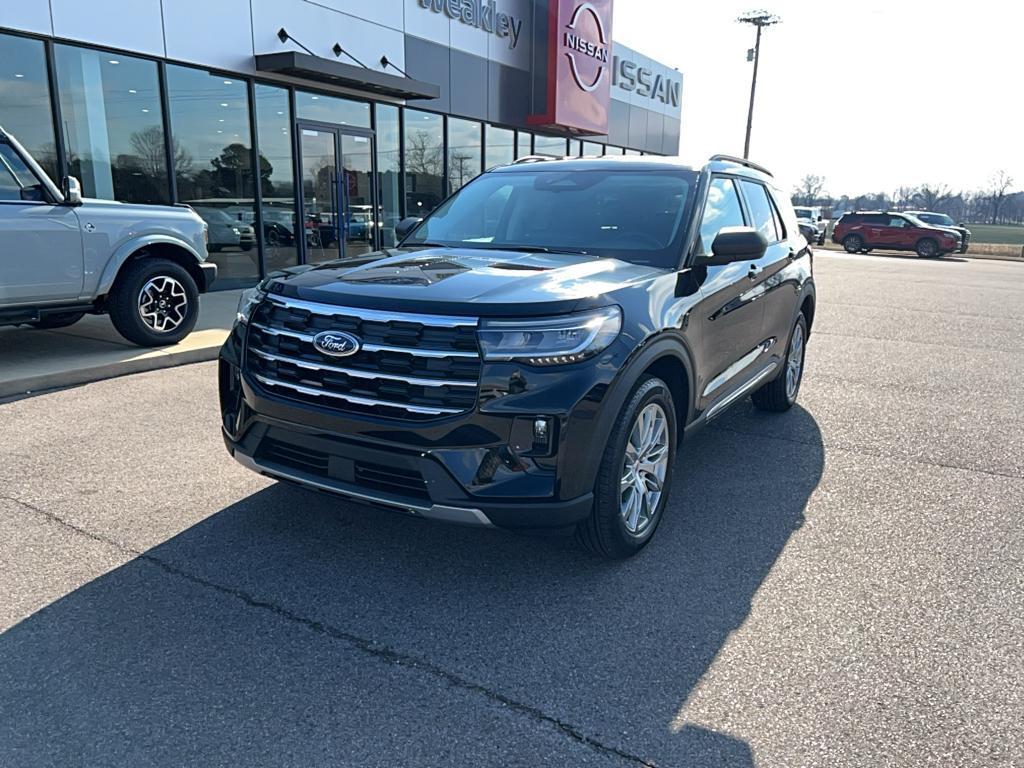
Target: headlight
x=248 y=302
x=552 y=340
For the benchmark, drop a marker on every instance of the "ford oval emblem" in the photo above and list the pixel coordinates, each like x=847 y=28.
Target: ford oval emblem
x=336 y=343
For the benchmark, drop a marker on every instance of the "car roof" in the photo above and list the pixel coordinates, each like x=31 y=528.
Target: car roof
x=718 y=164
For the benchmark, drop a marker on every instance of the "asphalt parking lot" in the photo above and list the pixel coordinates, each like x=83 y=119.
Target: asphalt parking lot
x=840 y=585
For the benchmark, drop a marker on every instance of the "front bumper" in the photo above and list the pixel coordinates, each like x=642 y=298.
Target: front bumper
x=209 y=272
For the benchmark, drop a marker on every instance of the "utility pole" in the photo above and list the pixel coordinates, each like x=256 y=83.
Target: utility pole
x=759 y=19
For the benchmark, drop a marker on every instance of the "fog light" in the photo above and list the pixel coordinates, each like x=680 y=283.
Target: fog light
x=540 y=430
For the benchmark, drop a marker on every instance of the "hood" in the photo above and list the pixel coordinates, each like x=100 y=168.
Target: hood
x=444 y=280
x=140 y=208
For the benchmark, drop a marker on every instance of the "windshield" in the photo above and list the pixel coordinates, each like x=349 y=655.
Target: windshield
x=636 y=216
x=936 y=218
x=804 y=213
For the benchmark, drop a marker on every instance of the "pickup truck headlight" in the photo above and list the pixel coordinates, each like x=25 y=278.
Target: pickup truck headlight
x=247 y=302
x=551 y=340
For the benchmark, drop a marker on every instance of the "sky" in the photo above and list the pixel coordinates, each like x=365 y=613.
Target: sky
x=871 y=95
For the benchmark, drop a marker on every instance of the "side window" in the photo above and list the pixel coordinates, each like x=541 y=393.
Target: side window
x=898 y=222
x=17 y=182
x=761 y=209
x=722 y=210
x=876 y=220
x=779 y=211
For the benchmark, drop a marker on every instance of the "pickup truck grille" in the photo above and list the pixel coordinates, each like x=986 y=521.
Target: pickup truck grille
x=409 y=366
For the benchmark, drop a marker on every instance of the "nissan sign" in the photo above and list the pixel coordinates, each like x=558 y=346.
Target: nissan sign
x=630 y=76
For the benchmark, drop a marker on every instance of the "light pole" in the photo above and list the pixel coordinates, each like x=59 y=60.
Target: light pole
x=759 y=19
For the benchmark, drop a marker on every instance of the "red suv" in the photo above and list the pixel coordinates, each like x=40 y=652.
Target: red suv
x=861 y=232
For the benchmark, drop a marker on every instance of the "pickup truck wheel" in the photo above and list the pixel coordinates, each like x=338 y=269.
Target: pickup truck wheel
x=927 y=248
x=853 y=243
x=154 y=302
x=634 y=476
x=63 y=320
x=780 y=394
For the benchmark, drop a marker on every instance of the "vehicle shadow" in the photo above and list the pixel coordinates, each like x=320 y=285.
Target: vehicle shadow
x=907 y=256
x=291 y=629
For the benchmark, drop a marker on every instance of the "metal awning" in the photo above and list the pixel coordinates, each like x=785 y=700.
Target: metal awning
x=297 y=64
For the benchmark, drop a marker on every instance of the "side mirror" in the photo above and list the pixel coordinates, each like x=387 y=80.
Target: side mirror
x=72 y=190
x=407 y=225
x=736 y=244
x=821 y=218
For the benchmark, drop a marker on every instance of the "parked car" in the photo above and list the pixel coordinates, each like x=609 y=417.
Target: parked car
x=863 y=231
x=809 y=231
x=812 y=215
x=946 y=222
x=64 y=256
x=225 y=231
x=535 y=369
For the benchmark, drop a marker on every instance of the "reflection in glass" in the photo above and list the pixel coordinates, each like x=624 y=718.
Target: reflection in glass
x=424 y=162
x=592 y=149
x=552 y=146
x=388 y=169
x=213 y=165
x=464 y=155
x=320 y=195
x=25 y=99
x=331 y=109
x=356 y=190
x=113 y=125
x=277 y=177
x=633 y=152
x=524 y=144
x=501 y=146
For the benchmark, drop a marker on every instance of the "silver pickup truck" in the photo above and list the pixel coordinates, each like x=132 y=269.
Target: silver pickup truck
x=62 y=256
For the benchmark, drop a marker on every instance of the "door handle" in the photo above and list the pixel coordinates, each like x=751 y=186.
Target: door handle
x=755 y=270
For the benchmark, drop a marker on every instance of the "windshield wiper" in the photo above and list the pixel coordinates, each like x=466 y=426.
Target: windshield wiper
x=534 y=249
x=426 y=245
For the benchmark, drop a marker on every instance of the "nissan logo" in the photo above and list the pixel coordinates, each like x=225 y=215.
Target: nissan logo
x=336 y=343
x=578 y=44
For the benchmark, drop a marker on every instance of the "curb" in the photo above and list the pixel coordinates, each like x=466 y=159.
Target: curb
x=968 y=255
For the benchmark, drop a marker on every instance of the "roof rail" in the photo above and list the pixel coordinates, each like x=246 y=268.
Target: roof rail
x=534 y=159
x=742 y=161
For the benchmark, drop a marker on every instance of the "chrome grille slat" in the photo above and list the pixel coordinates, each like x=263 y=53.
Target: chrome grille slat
x=316 y=392
x=414 y=380
x=422 y=352
x=331 y=310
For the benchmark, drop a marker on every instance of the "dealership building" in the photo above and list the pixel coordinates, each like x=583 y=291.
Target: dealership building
x=304 y=131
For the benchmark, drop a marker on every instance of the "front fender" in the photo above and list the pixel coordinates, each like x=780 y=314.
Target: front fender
x=125 y=251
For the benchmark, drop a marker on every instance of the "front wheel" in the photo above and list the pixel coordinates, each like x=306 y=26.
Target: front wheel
x=781 y=393
x=634 y=475
x=154 y=302
x=927 y=248
x=853 y=243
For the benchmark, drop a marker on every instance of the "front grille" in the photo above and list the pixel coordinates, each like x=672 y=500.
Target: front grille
x=373 y=477
x=408 y=367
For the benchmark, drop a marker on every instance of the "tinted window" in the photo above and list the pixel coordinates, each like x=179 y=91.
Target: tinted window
x=25 y=99
x=760 y=209
x=464 y=152
x=524 y=144
x=330 y=109
x=721 y=210
x=277 y=176
x=424 y=162
x=15 y=175
x=874 y=220
x=501 y=146
x=898 y=222
x=636 y=217
x=549 y=145
x=113 y=125
x=388 y=168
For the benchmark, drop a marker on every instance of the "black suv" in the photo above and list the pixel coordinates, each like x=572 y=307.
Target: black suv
x=533 y=352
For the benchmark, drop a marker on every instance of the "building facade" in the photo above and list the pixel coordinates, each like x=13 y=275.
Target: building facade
x=305 y=131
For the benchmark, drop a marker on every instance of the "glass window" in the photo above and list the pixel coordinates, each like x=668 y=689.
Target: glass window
x=721 y=210
x=632 y=152
x=554 y=146
x=592 y=149
x=25 y=99
x=213 y=165
x=464 y=155
x=424 y=162
x=277 y=176
x=760 y=209
x=113 y=125
x=17 y=182
x=636 y=217
x=388 y=170
x=501 y=146
x=898 y=222
x=524 y=144
x=331 y=109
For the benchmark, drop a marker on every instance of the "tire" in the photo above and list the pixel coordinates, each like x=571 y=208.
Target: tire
x=62 y=320
x=853 y=243
x=161 y=280
x=779 y=394
x=821 y=240
x=927 y=248
x=247 y=247
x=607 y=533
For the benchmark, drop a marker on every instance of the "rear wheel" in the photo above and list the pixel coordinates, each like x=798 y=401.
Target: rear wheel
x=154 y=302
x=634 y=476
x=780 y=394
x=853 y=243
x=927 y=248
x=62 y=320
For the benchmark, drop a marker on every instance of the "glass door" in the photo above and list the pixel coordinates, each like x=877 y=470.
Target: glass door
x=337 y=193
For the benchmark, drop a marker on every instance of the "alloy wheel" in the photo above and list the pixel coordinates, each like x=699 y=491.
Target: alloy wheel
x=163 y=303
x=644 y=469
x=795 y=362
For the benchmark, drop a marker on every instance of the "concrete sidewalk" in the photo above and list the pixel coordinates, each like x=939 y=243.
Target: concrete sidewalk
x=34 y=360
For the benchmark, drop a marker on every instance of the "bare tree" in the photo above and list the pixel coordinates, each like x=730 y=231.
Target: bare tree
x=998 y=187
x=931 y=197
x=809 y=188
x=423 y=154
x=904 y=197
x=150 y=147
